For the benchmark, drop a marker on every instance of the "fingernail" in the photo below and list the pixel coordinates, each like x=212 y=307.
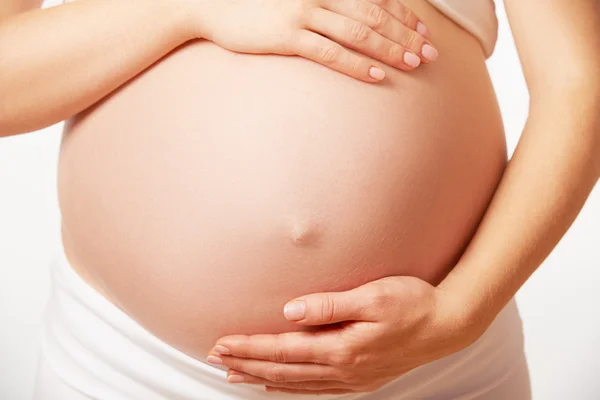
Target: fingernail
x=429 y=52
x=214 y=360
x=235 y=379
x=221 y=349
x=422 y=29
x=294 y=310
x=412 y=60
x=376 y=73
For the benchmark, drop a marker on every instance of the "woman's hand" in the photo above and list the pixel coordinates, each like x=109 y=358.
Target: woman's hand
x=319 y=30
x=372 y=335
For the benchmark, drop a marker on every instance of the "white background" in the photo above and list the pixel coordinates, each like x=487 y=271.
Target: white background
x=559 y=304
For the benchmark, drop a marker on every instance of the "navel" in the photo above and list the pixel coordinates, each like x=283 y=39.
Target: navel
x=304 y=232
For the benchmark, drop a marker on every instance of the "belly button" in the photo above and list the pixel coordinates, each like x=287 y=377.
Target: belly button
x=303 y=234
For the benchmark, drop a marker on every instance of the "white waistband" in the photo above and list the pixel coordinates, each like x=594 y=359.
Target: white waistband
x=99 y=350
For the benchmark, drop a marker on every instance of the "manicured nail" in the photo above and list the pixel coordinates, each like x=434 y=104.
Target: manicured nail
x=422 y=29
x=294 y=310
x=214 y=360
x=221 y=349
x=376 y=73
x=412 y=60
x=429 y=52
x=235 y=378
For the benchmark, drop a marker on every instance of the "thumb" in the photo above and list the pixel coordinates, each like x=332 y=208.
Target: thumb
x=326 y=308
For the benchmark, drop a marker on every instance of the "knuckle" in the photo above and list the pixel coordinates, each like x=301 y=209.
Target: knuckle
x=381 y=297
x=278 y=352
x=327 y=309
x=354 y=66
x=379 y=300
x=394 y=52
x=298 y=385
x=346 y=376
x=410 y=38
x=377 y=16
x=328 y=54
x=343 y=358
x=410 y=18
x=384 y=300
x=275 y=374
x=236 y=364
x=304 y=13
x=359 y=32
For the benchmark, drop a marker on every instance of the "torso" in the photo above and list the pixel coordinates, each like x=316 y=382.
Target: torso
x=214 y=187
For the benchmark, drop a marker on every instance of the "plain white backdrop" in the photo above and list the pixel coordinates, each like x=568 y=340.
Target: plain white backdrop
x=559 y=304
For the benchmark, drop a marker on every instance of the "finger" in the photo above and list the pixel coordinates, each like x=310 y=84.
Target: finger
x=332 y=307
x=287 y=347
x=403 y=14
x=315 y=392
x=234 y=376
x=359 y=36
x=409 y=19
x=398 y=26
x=315 y=47
x=289 y=372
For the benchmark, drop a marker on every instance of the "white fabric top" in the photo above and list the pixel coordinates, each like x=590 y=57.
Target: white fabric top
x=476 y=16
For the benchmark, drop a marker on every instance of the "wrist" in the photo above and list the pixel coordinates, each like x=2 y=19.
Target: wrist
x=467 y=313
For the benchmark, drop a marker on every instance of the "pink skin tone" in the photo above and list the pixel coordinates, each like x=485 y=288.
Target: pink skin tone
x=178 y=197
x=390 y=326
x=180 y=201
x=532 y=208
x=142 y=32
x=387 y=31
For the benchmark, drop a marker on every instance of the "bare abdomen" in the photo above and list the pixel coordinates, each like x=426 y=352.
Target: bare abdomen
x=214 y=187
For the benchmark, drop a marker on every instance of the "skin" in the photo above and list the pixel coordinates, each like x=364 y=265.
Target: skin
x=547 y=181
x=140 y=32
x=385 y=293
x=319 y=183
x=68 y=73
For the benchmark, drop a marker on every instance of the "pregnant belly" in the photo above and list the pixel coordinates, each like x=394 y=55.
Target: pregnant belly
x=214 y=187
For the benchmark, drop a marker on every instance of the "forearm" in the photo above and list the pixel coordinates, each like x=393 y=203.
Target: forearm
x=58 y=61
x=546 y=183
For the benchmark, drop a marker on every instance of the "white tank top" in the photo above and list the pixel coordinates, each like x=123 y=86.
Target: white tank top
x=476 y=16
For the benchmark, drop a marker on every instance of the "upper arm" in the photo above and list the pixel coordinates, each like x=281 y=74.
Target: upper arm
x=558 y=42
x=11 y=7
